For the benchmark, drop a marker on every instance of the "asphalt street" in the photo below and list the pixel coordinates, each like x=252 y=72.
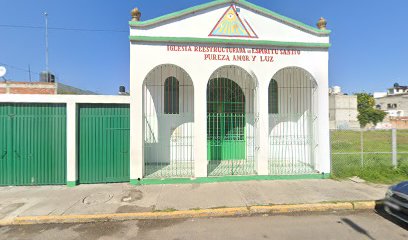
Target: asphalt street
x=344 y=225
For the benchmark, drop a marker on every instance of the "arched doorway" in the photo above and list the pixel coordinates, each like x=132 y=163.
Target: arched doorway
x=168 y=112
x=230 y=122
x=292 y=108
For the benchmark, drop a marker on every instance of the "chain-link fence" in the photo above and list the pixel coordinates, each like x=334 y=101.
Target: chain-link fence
x=372 y=154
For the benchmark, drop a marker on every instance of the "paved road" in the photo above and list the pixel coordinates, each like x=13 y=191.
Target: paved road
x=363 y=225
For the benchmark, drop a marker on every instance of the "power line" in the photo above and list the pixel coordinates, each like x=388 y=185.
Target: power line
x=18 y=68
x=29 y=71
x=64 y=29
x=46 y=41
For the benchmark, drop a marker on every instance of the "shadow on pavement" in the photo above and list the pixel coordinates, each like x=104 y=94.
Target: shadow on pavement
x=357 y=228
x=379 y=209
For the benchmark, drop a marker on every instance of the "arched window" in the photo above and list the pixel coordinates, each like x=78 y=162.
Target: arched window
x=171 y=96
x=273 y=97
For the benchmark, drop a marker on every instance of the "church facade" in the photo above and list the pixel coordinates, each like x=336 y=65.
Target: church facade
x=228 y=88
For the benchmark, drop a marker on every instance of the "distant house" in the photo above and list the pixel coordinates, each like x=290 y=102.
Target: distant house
x=395 y=103
x=342 y=110
x=10 y=87
x=46 y=85
x=397 y=89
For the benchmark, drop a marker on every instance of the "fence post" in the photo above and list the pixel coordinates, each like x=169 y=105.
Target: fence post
x=394 y=148
x=362 y=147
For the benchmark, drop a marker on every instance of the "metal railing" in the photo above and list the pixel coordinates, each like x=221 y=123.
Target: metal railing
x=354 y=151
x=292 y=144
x=230 y=144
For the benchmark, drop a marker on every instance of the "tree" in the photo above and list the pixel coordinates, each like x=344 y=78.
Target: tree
x=366 y=111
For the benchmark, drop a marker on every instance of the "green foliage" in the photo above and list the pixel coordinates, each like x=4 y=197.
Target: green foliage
x=376 y=168
x=403 y=167
x=366 y=111
x=365 y=100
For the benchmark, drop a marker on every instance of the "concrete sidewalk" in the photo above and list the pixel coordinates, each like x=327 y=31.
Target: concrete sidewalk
x=125 y=198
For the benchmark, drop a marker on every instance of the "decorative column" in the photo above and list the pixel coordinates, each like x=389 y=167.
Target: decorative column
x=200 y=127
x=263 y=129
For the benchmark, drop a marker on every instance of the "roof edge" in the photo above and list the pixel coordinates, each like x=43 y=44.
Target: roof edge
x=244 y=3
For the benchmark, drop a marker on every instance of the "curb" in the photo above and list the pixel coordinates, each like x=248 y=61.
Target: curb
x=201 y=213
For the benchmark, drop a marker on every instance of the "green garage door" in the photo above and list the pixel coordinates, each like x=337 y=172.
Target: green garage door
x=103 y=143
x=32 y=144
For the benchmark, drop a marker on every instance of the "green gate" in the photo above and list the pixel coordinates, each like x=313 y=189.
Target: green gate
x=226 y=135
x=103 y=143
x=32 y=144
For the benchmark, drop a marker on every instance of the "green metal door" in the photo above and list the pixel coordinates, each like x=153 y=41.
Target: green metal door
x=225 y=121
x=104 y=143
x=6 y=169
x=33 y=144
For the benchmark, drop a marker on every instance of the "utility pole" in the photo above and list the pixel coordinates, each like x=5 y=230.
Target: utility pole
x=46 y=41
x=29 y=72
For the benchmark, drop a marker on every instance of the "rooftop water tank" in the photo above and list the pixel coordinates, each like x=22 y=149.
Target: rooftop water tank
x=336 y=90
x=47 y=77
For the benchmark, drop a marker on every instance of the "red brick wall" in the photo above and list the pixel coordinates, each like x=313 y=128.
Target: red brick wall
x=32 y=90
x=28 y=88
x=399 y=123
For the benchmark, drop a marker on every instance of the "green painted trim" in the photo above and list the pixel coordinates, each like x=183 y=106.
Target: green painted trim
x=177 y=14
x=134 y=182
x=226 y=41
x=288 y=20
x=72 y=183
x=243 y=3
x=229 y=179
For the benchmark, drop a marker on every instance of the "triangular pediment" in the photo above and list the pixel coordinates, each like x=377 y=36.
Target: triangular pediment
x=229 y=19
x=231 y=25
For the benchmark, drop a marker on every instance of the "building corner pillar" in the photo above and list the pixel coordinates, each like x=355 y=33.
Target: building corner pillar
x=323 y=164
x=72 y=163
x=136 y=122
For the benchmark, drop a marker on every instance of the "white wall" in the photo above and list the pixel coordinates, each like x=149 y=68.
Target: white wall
x=201 y=65
x=200 y=70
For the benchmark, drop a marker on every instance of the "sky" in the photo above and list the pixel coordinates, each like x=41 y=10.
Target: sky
x=368 y=54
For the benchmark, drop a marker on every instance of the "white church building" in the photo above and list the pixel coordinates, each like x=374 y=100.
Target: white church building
x=223 y=91
x=228 y=88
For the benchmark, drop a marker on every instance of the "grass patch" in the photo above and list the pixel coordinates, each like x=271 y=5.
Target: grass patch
x=166 y=210
x=377 y=165
x=195 y=209
x=219 y=207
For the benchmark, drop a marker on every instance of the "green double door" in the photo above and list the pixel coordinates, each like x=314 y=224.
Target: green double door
x=226 y=120
x=104 y=143
x=32 y=144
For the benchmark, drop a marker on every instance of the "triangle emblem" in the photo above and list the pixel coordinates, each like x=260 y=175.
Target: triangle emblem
x=231 y=25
